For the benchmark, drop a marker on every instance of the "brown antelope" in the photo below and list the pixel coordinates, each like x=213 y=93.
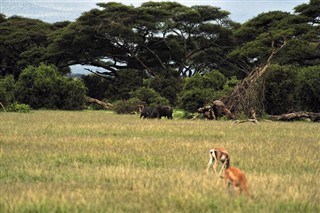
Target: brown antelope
x=218 y=155
x=235 y=176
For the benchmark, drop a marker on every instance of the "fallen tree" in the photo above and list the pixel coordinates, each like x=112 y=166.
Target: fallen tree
x=245 y=96
x=313 y=116
x=214 y=111
x=101 y=103
x=252 y=118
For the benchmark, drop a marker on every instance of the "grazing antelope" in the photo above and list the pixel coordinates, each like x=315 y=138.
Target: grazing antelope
x=218 y=155
x=235 y=176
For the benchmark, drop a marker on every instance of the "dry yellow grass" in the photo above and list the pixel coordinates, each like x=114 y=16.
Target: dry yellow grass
x=96 y=161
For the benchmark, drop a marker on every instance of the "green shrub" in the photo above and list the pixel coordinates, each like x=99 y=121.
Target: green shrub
x=149 y=96
x=15 y=107
x=281 y=90
x=214 y=80
x=309 y=91
x=167 y=87
x=129 y=106
x=182 y=114
x=44 y=87
x=191 y=100
x=200 y=90
x=7 y=90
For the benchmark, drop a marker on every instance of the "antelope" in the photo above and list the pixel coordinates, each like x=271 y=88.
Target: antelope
x=235 y=176
x=218 y=155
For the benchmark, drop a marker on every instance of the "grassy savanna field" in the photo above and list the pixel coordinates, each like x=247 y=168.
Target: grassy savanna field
x=97 y=161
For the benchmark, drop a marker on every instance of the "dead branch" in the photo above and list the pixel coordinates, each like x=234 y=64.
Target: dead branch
x=98 y=74
x=101 y=103
x=255 y=121
x=245 y=94
x=313 y=116
x=4 y=109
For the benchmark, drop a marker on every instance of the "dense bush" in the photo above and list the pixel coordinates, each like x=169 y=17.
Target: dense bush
x=290 y=88
x=97 y=86
x=191 y=100
x=149 y=96
x=7 y=90
x=127 y=106
x=214 y=80
x=280 y=94
x=167 y=87
x=44 y=87
x=113 y=88
x=309 y=91
x=281 y=90
x=200 y=90
x=15 y=107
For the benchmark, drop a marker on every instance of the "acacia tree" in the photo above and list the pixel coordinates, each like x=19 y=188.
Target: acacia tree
x=157 y=38
x=273 y=37
x=311 y=10
x=44 y=87
x=23 y=41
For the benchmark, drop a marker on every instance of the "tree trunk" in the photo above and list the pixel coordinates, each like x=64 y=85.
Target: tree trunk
x=101 y=103
x=296 y=116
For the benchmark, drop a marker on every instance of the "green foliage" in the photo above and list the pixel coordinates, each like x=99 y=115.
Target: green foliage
x=126 y=82
x=129 y=106
x=309 y=91
x=2 y=17
x=72 y=94
x=255 y=39
x=7 y=90
x=97 y=86
x=297 y=50
x=214 y=80
x=290 y=88
x=200 y=90
x=191 y=100
x=281 y=90
x=167 y=87
x=310 y=10
x=156 y=37
x=149 y=96
x=181 y=114
x=22 y=43
x=117 y=88
x=44 y=87
x=163 y=43
x=15 y=107
x=196 y=81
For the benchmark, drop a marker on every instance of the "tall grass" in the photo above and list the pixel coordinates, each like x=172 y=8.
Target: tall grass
x=95 y=161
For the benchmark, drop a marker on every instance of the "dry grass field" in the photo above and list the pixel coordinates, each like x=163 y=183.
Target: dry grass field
x=97 y=161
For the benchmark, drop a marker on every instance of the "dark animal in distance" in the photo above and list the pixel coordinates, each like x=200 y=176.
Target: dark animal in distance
x=158 y=112
x=145 y=112
x=162 y=111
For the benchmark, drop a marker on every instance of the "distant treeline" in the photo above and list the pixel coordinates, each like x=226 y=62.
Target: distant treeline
x=161 y=53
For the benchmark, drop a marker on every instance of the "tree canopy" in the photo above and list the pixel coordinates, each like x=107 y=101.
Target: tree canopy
x=160 y=38
x=187 y=56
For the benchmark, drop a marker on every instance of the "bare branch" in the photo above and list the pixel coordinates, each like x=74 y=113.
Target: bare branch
x=245 y=95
